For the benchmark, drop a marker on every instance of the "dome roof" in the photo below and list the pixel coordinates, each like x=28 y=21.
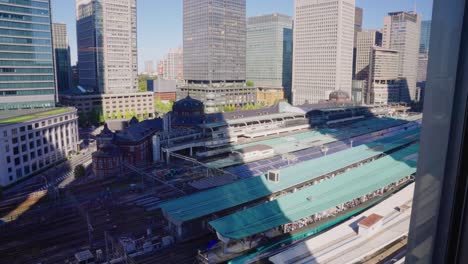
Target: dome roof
x=188 y=104
x=339 y=96
x=106 y=132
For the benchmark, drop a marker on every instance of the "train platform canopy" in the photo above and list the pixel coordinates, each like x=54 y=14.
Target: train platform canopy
x=325 y=135
x=318 y=198
x=214 y=200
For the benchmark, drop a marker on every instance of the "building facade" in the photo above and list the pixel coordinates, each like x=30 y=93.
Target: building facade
x=384 y=83
x=425 y=36
x=26 y=55
x=366 y=40
x=164 y=90
x=401 y=32
x=43 y=139
x=323 y=49
x=172 y=66
x=62 y=57
x=216 y=96
x=149 y=67
x=358 y=18
x=269 y=51
x=270 y=95
x=214 y=33
x=112 y=105
x=107 y=45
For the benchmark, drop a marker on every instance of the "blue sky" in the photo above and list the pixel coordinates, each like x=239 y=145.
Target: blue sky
x=160 y=21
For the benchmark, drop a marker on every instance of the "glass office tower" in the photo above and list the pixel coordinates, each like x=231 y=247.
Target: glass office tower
x=62 y=56
x=26 y=60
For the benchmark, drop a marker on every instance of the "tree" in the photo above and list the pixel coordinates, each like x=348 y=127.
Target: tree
x=83 y=120
x=79 y=171
x=162 y=107
x=142 y=82
x=128 y=115
x=119 y=115
x=250 y=83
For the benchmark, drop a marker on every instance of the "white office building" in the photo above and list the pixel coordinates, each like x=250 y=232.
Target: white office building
x=401 y=32
x=32 y=140
x=384 y=81
x=323 y=49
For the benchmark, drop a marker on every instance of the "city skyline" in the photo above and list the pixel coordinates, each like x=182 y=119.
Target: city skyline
x=160 y=26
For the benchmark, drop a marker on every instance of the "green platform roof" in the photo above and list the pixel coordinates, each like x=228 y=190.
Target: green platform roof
x=243 y=191
x=9 y=117
x=326 y=135
x=320 y=197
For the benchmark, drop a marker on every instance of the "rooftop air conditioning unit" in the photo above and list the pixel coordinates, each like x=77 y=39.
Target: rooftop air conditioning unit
x=274 y=176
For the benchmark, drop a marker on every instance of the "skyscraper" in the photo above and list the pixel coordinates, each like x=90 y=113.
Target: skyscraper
x=401 y=32
x=323 y=49
x=171 y=67
x=269 y=51
x=358 y=16
x=27 y=67
x=214 y=40
x=107 y=45
x=214 y=53
x=425 y=36
x=366 y=40
x=62 y=56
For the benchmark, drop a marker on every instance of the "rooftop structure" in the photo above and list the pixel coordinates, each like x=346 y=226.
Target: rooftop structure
x=238 y=193
x=317 y=198
x=316 y=249
x=10 y=117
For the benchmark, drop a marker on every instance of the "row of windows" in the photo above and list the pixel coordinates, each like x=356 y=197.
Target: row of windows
x=9 y=78
x=19 y=41
x=27 y=85
x=26 y=33
x=28 y=3
x=25 y=48
x=27 y=92
x=24 y=18
x=25 y=10
x=26 y=70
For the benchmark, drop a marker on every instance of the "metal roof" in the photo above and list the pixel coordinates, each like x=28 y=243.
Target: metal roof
x=318 y=198
x=243 y=191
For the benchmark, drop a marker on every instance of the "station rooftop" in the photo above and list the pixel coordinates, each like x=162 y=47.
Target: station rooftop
x=10 y=117
x=243 y=191
x=303 y=140
x=320 y=197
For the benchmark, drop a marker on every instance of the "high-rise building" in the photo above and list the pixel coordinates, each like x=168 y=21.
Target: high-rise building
x=323 y=49
x=366 y=40
x=62 y=57
x=401 y=32
x=358 y=17
x=214 y=53
x=214 y=33
x=384 y=82
x=172 y=66
x=425 y=36
x=149 y=67
x=269 y=51
x=27 y=66
x=107 y=45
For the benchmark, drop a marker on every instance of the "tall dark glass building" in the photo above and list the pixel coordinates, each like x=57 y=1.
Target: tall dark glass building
x=26 y=59
x=62 y=56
